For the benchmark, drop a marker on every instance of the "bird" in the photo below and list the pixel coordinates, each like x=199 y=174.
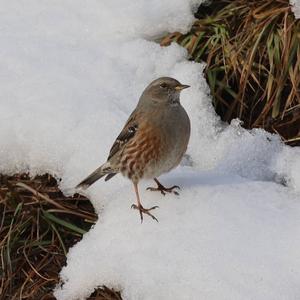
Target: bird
x=152 y=142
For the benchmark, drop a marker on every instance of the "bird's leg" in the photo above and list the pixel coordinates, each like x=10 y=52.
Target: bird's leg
x=163 y=189
x=139 y=206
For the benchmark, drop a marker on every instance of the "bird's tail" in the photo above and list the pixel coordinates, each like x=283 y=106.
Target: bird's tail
x=103 y=170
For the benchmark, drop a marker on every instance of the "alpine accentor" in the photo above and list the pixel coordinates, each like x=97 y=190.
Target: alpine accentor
x=152 y=142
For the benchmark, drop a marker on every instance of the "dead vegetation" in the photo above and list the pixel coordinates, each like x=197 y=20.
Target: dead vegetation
x=252 y=52
x=38 y=226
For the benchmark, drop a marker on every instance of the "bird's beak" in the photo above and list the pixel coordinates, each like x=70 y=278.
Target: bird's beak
x=181 y=87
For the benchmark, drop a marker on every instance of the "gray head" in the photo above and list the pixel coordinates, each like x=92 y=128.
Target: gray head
x=162 y=91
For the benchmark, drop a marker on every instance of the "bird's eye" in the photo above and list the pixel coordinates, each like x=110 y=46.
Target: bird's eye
x=163 y=85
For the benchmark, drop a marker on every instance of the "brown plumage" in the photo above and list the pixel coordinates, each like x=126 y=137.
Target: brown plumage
x=152 y=142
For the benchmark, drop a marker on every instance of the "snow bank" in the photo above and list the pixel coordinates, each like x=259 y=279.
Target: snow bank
x=71 y=72
x=223 y=238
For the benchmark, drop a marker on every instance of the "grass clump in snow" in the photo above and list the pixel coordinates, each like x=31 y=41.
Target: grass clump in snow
x=38 y=225
x=253 y=62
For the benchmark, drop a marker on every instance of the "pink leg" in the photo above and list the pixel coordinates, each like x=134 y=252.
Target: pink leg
x=139 y=206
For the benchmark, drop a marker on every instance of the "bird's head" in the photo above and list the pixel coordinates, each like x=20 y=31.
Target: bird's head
x=163 y=91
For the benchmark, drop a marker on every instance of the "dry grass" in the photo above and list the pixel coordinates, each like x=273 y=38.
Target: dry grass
x=38 y=225
x=253 y=62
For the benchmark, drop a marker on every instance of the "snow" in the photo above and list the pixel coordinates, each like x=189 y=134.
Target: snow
x=71 y=72
x=295 y=8
x=286 y=167
x=231 y=242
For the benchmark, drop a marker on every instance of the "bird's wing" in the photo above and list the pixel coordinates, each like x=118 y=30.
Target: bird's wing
x=126 y=134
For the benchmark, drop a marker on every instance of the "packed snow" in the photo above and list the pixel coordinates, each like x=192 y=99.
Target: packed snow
x=71 y=73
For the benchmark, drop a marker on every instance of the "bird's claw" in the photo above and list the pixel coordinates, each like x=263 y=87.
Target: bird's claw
x=164 y=190
x=143 y=210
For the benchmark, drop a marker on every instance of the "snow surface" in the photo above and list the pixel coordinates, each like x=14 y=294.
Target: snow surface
x=71 y=72
x=295 y=8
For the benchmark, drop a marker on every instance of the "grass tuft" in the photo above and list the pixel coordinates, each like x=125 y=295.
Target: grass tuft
x=38 y=225
x=252 y=53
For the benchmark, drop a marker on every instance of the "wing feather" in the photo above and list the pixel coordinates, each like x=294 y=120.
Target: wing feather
x=126 y=135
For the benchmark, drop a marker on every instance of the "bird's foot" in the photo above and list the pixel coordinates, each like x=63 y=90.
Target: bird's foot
x=163 y=189
x=146 y=211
